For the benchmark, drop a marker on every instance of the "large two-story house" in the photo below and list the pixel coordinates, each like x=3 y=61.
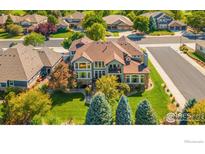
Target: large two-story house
x=122 y=58
x=165 y=22
x=21 y=66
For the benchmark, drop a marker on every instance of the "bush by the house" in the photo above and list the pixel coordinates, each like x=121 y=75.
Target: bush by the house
x=14 y=29
x=184 y=48
x=123 y=112
x=99 y=112
x=161 y=32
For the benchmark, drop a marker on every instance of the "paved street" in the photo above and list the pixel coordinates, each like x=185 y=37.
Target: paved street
x=189 y=81
x=147 y=40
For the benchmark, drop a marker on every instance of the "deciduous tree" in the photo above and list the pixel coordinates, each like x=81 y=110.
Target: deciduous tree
x=59 y=77
x=197 y=114
x=14 y=29
x=22 y=108
x=34 y=39
x=68 y=41
x=96 y=32
x=46 y=29
x=141 y=23
x=91 y=18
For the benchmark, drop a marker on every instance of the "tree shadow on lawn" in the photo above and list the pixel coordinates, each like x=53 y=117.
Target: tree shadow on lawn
x=59 y=98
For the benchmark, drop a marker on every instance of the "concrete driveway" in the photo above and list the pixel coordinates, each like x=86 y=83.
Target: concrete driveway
x=189 y=81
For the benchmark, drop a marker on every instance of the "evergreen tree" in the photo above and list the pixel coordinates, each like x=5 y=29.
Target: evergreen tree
x=99 y=112
x=152 y=24
x=123 y=112
x=9 y=21
x=185 y=112
x=144 y=114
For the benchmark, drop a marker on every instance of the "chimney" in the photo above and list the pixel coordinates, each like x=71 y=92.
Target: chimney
x=145 y=59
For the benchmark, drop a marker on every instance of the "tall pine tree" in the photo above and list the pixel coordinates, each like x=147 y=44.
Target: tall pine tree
x=185 y=112
x=152 y=24
x=123 y=112
x=99 y=112
x=144 y=114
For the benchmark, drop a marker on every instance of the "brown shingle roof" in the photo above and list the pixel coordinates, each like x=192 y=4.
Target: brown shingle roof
x=76 y=15
x=111 y=19
x=177 y=22
x=129 y=46
x=34 y=18
x=3 y=19
x=77 y=43
x=100 y=51
x=23 y=62
x=133 y=68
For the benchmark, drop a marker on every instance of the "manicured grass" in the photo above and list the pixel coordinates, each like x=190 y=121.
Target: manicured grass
x=161 y=32
x=61 y=35
x=156 y=96
x=68 y=107
x=5 y=35
x=197 y=56
x=18 y=12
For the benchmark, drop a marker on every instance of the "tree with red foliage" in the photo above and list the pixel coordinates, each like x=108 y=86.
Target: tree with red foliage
x=46 y=29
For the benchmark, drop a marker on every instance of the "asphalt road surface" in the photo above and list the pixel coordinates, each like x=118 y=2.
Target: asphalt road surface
x=189 y=81
x=140 y=40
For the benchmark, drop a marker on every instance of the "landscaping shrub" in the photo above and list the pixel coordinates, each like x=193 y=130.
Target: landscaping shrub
x=99 y=112
x=144 y=114
x=161 y=32
x=123 y=112
x=184 y=48
x=14 y=29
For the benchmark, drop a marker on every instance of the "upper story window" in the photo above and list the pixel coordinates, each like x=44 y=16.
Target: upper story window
x=99 y=64
x=82 y=65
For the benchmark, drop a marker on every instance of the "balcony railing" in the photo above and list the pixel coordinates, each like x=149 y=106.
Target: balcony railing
x=114 y=70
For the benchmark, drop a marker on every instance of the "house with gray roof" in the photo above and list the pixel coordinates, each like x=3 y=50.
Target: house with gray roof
x=165 y=22
x=21 y=66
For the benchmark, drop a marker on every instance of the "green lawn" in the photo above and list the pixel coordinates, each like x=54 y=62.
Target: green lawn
x=67 y=107
x=5 y=35
x=156 y=96
x=61 y=35
x=197 y=56
x=72 y=106
x=161 y=32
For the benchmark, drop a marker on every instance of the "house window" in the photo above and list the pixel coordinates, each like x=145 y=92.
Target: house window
x=99 y=64
x=88 y=65
x=88 y=74
x=142 y=79
x=82 y=75
x=76 y=65
x=82 y=65
x=127 y=78
x=11 y=83
x=135 y=79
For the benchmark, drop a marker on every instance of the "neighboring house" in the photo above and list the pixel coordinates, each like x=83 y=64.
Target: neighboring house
x=21 y=66
x=29 y=20
x=122 y=58
x=75 y=20
x=165 y=22
x=118 y=23
x=3 y=19
x=200 y=48
x=62 y=24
